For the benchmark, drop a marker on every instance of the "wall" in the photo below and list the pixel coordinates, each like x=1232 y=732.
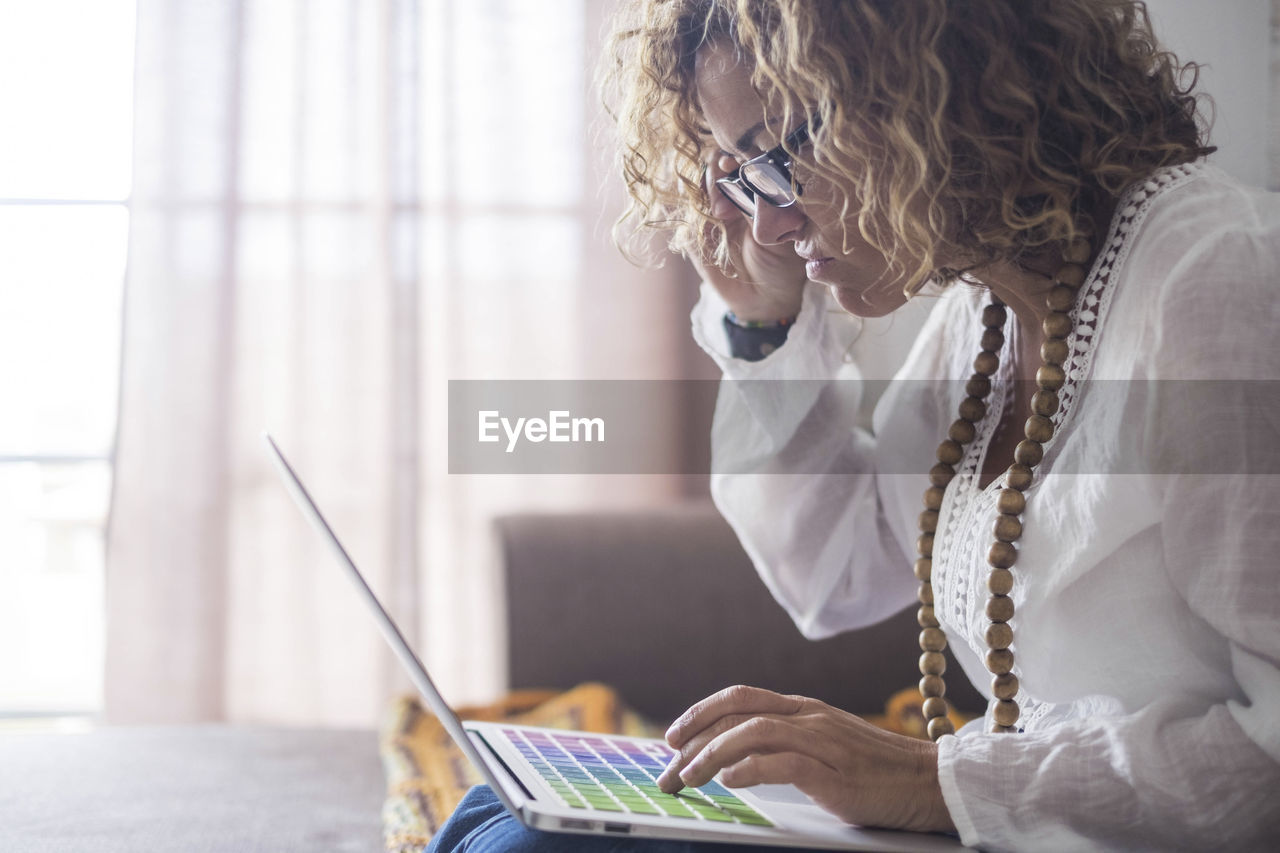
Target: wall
x=1234 y=39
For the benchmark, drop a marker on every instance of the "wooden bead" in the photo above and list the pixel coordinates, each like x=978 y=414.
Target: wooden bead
x=941 y=474
x=1045 y=403
x=1018 y=477
x=962 y=431
x=987 y=363
x=934 y=706
x=1028 y=453
x=1000 y=582
x=1007 y=528
x=924 y=545
x=1077 y=251
x=978 y=386
x=972 y=409
x=1054 y=351
x=929 y=520
x=924 y=569
x=1038 y=428
x=1011 y=501
x=1051 y=377
x=1071 y=275
x=939 y=727
x=993 y=316
x=925 y=617
x=933 y=640
x=1006 y=712
x=999 y=661
x=933 y=685
x=1056 y=325
x=993 y=339
x=950 y=452
x=1001 y=555
x=997 y=729
x=999 y=608
x=999 y=635
x=1004 y=686
x=1061 y=298
x=933 y=663
x=925 y=594
x=933 y=497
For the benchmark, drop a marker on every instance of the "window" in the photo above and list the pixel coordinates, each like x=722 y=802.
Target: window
x=64 y=219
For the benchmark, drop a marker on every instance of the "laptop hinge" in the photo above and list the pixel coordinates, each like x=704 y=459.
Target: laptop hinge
x=507 y=767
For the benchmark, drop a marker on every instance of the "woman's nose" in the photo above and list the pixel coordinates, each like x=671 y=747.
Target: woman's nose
x=773 y=225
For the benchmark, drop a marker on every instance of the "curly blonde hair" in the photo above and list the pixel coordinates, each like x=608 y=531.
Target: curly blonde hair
x=976 y=129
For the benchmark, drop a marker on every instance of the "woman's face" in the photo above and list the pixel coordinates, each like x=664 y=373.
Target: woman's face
x=855 y=271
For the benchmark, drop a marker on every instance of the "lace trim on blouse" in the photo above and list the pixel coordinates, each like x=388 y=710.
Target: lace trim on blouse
x=968 y=513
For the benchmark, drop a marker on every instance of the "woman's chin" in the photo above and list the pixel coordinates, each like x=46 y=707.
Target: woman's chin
x=860 y=303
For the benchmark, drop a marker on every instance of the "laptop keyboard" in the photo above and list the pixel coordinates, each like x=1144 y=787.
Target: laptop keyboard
x=605 y=774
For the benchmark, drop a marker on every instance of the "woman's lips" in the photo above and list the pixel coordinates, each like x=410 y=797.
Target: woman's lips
x=814 y=269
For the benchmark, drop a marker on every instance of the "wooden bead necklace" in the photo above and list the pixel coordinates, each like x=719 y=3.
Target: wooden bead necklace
x=1011 y=502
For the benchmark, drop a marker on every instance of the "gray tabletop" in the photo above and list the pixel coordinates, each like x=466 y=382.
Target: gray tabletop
x=191 y=788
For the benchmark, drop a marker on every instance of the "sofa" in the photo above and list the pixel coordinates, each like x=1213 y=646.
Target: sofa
x=211 y=788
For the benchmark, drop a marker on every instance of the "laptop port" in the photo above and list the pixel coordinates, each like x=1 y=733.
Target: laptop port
x=617 y=827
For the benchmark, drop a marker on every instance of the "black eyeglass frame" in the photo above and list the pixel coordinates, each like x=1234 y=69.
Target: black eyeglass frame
x=780 y=160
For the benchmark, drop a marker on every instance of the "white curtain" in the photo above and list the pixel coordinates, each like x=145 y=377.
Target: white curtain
x=1274 y=124
x=338 y=206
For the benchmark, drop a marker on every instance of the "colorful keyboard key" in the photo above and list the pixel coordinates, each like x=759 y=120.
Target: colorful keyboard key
x=596 y=772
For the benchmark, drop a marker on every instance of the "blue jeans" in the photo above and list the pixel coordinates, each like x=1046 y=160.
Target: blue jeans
x=482 y=824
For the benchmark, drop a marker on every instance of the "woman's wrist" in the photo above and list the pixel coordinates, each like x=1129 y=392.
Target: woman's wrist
x=936 y=818
x=748 y=323
x=766 y=311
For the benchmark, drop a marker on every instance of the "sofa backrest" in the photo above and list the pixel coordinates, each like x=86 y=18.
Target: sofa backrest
x=665 y=606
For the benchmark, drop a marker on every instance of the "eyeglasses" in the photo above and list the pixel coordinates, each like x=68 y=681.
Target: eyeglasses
x=767 y=176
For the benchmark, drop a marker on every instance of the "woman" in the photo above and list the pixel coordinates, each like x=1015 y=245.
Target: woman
x=1105 y=571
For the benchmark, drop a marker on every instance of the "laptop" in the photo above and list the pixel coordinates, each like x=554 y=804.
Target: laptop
x=594 y=784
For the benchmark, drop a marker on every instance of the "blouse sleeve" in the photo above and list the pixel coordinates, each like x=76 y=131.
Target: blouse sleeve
x=795 y=477
x=1186 y=771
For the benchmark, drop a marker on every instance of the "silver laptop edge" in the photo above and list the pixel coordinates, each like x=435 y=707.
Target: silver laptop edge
x=417 y=672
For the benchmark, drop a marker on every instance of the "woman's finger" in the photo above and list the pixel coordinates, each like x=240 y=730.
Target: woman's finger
x=721 y=207
x=765 y=735
x=738 y=699
x=720 y=165
x=669 y=780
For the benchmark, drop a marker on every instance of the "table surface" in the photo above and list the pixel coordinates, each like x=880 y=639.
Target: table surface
x=191 y=788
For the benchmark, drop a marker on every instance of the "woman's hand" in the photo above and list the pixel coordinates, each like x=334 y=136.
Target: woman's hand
x=861 y=774
x=769 y=279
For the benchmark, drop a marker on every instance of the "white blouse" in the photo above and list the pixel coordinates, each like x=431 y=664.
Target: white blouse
x=1147 y=631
